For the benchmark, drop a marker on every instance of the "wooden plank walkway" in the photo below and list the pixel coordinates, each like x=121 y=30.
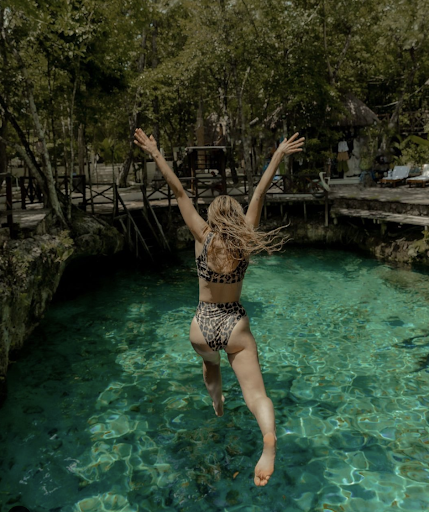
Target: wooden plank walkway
x=132 y=196
x=381 y=216
x=27 y=219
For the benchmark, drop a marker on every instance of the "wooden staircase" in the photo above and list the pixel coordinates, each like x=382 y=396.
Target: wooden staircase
x=133 y=229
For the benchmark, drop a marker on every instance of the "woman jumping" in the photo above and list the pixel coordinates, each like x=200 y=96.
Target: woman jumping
x=222 y=247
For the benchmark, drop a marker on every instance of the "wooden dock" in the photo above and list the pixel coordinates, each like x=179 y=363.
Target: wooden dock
x=401 y=205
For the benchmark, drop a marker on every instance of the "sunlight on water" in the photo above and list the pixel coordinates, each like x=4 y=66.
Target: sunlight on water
x=107 y=409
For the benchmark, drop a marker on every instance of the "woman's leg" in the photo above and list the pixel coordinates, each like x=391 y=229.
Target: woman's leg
x=211 y=367
x=243 y=357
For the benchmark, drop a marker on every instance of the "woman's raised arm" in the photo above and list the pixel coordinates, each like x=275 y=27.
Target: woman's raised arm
x=286 y=148
x=195 y=223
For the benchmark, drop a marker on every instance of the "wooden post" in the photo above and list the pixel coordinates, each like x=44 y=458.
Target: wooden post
x=23 y=191
x=30 y=191
x=115 y=200
x=196 y=195
x=129 y=231
x=9 y=203
x=91 y=198
x=222 y=170
x=169 y=205
x=193 y=156
x=84 y=191
x=66 y=183
x=326 y=211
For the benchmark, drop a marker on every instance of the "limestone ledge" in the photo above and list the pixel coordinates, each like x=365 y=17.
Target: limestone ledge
x=395 y=248
x=401 y=247
x=30 y=272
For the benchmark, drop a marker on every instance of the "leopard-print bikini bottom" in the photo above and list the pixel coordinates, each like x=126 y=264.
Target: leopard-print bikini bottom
x=217 y=320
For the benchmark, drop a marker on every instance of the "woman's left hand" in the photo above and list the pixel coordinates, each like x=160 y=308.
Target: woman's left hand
x=292 y=145
x=147 y=144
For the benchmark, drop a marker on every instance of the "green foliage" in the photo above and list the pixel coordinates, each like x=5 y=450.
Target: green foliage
x=162 y=60
x=414 y=150
x=111 y=150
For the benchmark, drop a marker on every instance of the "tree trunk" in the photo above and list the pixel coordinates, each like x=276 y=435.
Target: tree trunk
x=37 y=171
x=155 y=102
x=51 y=197
x=81 y=149
x=52 y=119
x=69 y=176
x=3 y=118
x=394 y=118
x=65 y=152
x=3 y=154
x=333 y=72
x=133 y=118
x=243 y=135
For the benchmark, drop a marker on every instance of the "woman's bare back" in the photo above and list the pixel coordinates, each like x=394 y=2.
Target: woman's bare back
x=219 y=262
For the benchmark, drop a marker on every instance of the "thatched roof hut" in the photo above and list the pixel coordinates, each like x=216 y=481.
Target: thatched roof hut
x=358 y=114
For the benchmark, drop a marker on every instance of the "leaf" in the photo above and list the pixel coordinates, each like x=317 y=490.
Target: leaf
x=419 y=140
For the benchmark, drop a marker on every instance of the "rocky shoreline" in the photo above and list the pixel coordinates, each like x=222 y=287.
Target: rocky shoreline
x=31 y=270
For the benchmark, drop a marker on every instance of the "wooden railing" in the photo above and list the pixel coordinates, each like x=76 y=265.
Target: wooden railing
x=78 y=186
x=299 y=184
x=199 y=188
x=31 y=192
x=133 y=235
x=209 y=187
x=6 y=192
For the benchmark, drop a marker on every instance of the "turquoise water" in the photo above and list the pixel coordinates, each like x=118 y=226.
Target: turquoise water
x=107 y=409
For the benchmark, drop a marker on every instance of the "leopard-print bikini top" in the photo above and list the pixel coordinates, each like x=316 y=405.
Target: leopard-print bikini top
x=204 y=272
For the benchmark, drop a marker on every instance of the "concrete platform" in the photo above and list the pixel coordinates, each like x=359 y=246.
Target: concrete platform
x=378 y=216
x=29 y=219
x=401 y=194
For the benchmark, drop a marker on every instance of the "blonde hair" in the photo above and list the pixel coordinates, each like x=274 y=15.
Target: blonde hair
x=226 y=219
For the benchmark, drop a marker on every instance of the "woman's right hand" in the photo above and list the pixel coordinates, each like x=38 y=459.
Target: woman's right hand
x=292 y=145
x=147 y=144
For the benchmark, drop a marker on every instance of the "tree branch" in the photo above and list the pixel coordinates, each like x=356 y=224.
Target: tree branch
x=25 y=145
x=411 y=74
x=251 y=18
x=342 y=54
x=325 y=44
x=22 y=151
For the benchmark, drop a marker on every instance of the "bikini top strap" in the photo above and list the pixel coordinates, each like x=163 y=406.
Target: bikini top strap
x=206 y=245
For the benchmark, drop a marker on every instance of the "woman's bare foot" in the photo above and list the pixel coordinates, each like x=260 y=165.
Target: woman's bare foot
x=265 y=467
x=219 y=407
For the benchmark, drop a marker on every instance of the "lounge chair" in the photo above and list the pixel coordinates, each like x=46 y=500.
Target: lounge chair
x=422 y=179
x=397 y=176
